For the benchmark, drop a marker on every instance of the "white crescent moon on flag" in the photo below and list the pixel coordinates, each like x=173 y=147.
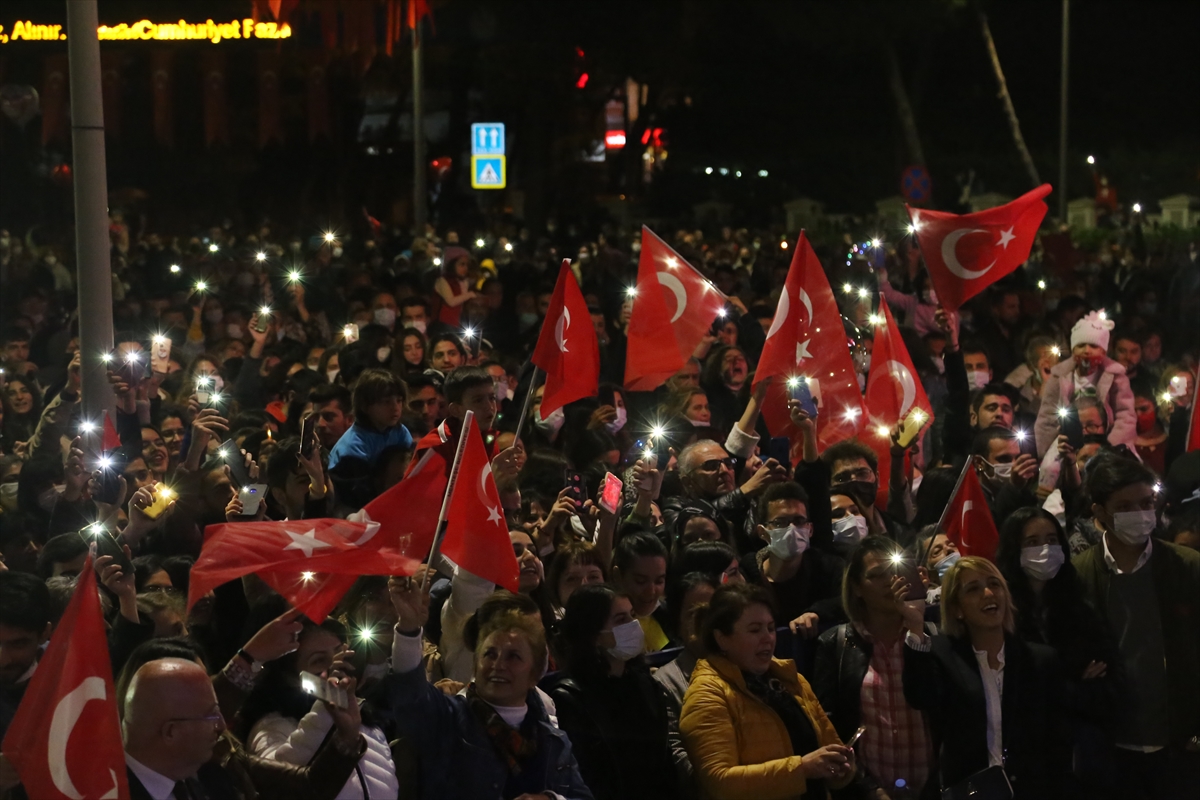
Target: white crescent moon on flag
x=962 y=534
x=907 y=385
x=804 y=298
x=950 y=257
x=676 y=286
x=483 y=475
x=560 y=329
x=368 y=534
x=66 y=714
x=781 y=315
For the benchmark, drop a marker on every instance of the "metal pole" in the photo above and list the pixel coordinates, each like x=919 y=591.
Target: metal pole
x=419 y=193
x=93 y=271
x=1062 y=110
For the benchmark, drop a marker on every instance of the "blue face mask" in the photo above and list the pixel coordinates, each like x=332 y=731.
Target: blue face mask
x=946 y=563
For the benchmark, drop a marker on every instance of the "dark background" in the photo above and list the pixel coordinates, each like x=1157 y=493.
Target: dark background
x=797 y=88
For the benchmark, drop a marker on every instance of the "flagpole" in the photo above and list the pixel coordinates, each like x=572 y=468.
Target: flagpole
x=440 y=531
x=525 y=405
x=941 y=523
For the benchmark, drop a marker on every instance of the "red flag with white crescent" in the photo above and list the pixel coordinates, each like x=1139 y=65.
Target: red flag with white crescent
x=567 y=349
x=1193 y=440
x=65 y=740
x=893 y=389
x=476 y=531
x=966 y=253
x=968 y=519
x=674 y=306
x=807 y=339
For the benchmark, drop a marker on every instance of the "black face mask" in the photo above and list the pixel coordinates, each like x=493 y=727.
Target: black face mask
x=863 y=491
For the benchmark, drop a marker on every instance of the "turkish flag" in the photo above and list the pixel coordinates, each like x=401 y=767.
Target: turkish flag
x=893 y=389
x=296 y=558
x=807 y=339
x=967 y=253
x=673 y=303
x=109 y=439
x=65 y=740
x=476 y=532
x=1193 y=440
x=567 y=349
x=968 y=521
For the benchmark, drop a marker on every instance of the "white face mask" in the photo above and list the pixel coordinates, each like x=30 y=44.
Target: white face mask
x=630 y=640
x=1134 y=527
x=383 y=354
x=501 y=391
x=947 y=561
x=698 y=423
x=788 y=542
x=849 y=529
x=416 y=324
x=233 y=331
x=977 y=379
x=1042 y=563
x=1003 y=471
x=8 y=496
x=551 y=424
x=332 y=375
x=385 y=317
x=619 y=422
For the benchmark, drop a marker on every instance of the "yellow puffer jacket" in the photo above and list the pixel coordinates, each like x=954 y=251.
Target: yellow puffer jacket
x=739 y=747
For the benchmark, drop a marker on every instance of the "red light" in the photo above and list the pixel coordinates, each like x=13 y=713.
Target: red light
x=614 y=140
x=582 y=82
x=579 y=52
x=646 y=136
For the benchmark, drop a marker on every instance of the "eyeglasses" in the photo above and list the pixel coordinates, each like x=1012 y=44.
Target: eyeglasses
x=212 y=719
x=714 y=464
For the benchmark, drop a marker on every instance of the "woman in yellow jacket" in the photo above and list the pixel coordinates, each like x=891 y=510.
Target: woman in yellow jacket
x=752 y=726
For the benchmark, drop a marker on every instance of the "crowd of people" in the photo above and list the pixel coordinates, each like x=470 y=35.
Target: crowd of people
x=756 y=619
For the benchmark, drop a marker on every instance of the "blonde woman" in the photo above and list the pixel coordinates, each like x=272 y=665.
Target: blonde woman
x=992 y=698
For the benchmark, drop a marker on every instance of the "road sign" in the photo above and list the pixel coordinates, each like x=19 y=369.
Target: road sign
x=487 y=139
x=487 y=172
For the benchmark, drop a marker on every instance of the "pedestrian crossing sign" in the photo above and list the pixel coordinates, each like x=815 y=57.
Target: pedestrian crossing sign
x=487 y=172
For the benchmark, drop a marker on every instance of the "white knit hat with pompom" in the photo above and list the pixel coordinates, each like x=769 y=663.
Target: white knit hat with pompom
x=1092 y=329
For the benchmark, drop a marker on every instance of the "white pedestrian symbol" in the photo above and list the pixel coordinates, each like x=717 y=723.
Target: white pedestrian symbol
x=488 y=175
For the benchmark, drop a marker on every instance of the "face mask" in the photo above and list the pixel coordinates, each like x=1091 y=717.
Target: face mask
x=1003 y=471
x=1134 y=527
x=948 y=561
x=214 y=315
x=527 y=320
x=1042 y=563
x=551 y=424
x=977 y=378
x=629 y=640
x=501 y=391
x=313 y=365
x=416 y=324
x=385 y=317
x=1086 y=363
x=8 y=496
x=233 y=331
x=332 y=375
x=863 y=491
x=47 y=499
x=849 y=530
x=788 y=542
x=383 y=354
x=1146 y=422
x=699 y=423
x=619 y=422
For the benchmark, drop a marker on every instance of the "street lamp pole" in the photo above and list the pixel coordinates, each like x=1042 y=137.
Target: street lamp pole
x=418 y=118
x=1062 y=110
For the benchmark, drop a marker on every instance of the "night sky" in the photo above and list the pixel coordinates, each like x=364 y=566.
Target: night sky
x=801 y=88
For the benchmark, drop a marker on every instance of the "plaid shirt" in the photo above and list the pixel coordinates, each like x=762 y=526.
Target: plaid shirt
x=895 y=744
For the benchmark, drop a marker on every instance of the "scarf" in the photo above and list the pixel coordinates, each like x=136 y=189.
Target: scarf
x=515 y=746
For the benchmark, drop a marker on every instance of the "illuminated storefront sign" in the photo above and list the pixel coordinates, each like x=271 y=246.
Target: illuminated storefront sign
x=145 y=30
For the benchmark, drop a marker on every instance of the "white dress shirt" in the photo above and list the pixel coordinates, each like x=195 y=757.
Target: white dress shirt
x=993 y=694
x=158 y=786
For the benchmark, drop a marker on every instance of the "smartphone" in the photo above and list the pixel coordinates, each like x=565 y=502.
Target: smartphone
x=798 y=390
x=163 y=495
x=308 y=435
x=906 y=569
x=610 y=495
x=350 y=333
x=134 y=368
x=252 y=495
x=322 y=689
x=913 y=421
x=1178 y=386
x=856 y=736
x=107 y=545
x=232 y=454
x=1072 y=428
x=204 y=390
x=160 y=354
x=574 y=482
x=263 y=321
x=778 y=448
x=109 y=481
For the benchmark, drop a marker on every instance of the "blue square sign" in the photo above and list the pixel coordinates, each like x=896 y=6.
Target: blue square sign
x=487 y=172
x=487 y=139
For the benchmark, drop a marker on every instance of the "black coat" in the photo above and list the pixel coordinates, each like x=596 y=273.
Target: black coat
x=946 y=683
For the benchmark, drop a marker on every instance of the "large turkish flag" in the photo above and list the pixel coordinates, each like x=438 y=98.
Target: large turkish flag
x=967 y=253
x=65 y=740
x=968 y=521
x=567 y=349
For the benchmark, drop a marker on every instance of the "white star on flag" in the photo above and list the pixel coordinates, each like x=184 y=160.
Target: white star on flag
x=306 y=542
x=493 y=514
x=802 y=351
x=1006 y=237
